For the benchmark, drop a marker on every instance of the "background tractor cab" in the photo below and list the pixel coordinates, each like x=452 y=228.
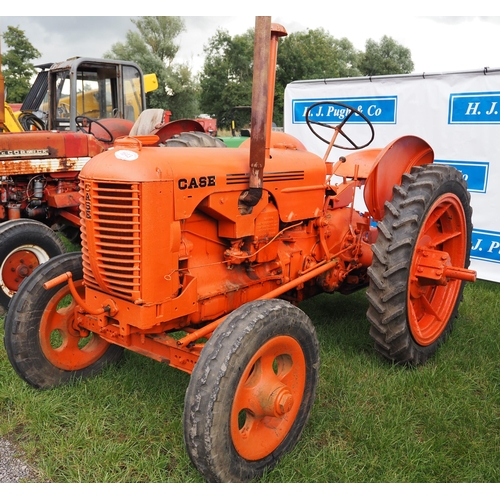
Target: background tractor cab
x=73 y=94
x=74 y=111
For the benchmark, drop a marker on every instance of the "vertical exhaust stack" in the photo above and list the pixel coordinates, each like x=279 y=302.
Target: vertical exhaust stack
x=264 y=77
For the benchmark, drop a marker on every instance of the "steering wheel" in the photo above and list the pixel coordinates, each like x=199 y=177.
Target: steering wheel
x=84 y=124
x=338 y=128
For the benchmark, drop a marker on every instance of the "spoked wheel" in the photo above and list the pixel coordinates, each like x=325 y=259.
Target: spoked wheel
x=42 y=339
x=24 y=245
x=251 y=391
x=420 y=264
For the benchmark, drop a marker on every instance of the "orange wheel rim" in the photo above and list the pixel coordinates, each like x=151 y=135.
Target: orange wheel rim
x=61 y=342
x=431 y=306
x=268 y=398
x=20 y=264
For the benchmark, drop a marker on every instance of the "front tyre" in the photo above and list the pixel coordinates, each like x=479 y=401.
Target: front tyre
x=24 y=245
x=411 y=305
x=42 y=340
x=251 y=391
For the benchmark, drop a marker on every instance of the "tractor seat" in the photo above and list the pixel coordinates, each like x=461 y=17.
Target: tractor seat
x=148 y=122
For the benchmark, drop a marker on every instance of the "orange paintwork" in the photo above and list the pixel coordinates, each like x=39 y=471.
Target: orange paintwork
x=175 y=239
x=169 y=243
x=392 y=162
x=263 y=410
x=17 y=266
x=67 y=352
x=431 y=305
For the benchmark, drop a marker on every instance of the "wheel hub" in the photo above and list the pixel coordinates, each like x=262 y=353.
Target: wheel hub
x=272 y=402
x=18 y=266
x=433 y=268
x=283 y=402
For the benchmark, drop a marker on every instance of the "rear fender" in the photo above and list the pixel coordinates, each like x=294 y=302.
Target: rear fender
x=392 y=162
x=176 y=127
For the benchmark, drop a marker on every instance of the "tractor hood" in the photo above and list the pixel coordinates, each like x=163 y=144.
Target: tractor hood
x=198 y=173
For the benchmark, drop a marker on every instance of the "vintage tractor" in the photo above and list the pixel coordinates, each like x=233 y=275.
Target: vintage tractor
x=198 y=257
x=74 y=110
x=78 y=108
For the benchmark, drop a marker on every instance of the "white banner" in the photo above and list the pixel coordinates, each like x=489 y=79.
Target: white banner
x=458 y=114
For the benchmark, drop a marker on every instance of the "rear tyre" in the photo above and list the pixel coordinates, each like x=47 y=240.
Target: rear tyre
x=410 y=317
x=42 y=341
x=251 y=391
x=24 y=245
x=194 y=140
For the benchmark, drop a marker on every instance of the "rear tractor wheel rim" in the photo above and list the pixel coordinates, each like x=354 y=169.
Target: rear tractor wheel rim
x=18 y=265
x=431 y=306
x=61 y=341
x=268 y=398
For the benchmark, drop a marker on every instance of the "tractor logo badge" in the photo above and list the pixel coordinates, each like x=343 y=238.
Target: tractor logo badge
x=196 y=182
x=88 y=213
x=23 y=153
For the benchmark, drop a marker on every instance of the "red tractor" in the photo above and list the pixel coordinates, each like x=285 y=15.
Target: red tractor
x=74 y=111
x=198 y=257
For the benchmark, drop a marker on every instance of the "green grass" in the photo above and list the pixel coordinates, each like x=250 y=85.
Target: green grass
x=371 y=422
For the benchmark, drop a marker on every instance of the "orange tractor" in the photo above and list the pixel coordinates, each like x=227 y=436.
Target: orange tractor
x=197 y=257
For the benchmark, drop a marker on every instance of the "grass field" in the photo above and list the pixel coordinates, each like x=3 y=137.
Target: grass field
x=372 y=422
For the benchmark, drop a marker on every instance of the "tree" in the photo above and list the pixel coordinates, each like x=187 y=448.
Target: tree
x=226 y=78
x=18 y=69
x=385 y=58
x=183 y=92
x=312 y=54
x=153 y=47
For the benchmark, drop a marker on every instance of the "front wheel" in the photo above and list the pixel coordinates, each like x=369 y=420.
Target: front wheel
x=24 y=245
x=251 y=392
x=423 y=238
x=42 y=339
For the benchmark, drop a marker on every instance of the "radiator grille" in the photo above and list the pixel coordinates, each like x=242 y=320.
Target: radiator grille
x=112 y=238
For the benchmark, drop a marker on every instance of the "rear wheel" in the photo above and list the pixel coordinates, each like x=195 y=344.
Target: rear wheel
x=24 y=245
x=42 y=340
x=412 y=304
x=194 y=140
x=251 y=392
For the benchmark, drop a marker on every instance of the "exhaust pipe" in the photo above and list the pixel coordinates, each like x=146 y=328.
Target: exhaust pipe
x=264 y=78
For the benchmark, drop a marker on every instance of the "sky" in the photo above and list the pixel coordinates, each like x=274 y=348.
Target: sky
x=459 y=38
